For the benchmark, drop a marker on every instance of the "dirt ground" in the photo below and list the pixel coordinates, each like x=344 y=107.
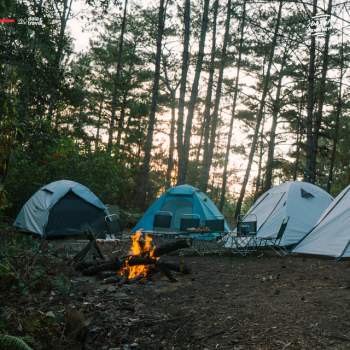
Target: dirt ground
x=225 y=303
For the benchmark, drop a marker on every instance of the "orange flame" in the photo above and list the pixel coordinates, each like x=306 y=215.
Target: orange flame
x=140 y=247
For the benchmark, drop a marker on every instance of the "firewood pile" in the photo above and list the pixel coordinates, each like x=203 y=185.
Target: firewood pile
x=143 y=262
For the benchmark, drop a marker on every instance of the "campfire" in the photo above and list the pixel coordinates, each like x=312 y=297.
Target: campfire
x=143 y=261
x=140 y=248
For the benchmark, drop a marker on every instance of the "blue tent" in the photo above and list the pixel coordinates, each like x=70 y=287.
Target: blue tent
x=181 y=200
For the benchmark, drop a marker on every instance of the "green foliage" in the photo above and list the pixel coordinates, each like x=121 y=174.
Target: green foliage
x=10 y=342
x=61 y=284
x=65 y=160
x=12 y=274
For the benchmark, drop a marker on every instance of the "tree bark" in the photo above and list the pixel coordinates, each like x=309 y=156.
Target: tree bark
x=143 y=181
x=214 y=118
x=207 y=108
x=183 y=82
x=194 y=95
x=275 y=113
x=321 y=98
x=233 y=114
x=260 y=112
x=308 y=176
x=116 y=80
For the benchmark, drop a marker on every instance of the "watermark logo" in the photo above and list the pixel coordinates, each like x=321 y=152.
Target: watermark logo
x=30 y=21
x=319 y=25
x=7 y=20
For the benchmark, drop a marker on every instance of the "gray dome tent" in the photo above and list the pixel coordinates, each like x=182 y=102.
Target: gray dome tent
x=60 y=209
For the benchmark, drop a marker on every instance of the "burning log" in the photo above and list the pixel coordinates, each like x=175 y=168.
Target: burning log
x=139 y=260
x=109 y=268
x=143 y=261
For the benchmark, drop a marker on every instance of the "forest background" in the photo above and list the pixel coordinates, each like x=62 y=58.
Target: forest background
x=230 y=96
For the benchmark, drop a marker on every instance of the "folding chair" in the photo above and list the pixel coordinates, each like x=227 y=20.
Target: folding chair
x=215 y=225
x=245 y=240
x=273 y=242
x=162 y=221
x=189 y=221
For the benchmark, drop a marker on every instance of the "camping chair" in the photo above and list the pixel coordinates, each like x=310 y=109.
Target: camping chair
x=215 y=225
x=245 y=240
x=273 y=242
x=189 y=221
x=162 y=221
x=209 y=241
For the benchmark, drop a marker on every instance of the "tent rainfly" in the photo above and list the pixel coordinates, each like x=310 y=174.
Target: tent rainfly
x=331 y=235
x=179 y=201
x=300 y=202
x=60 y=209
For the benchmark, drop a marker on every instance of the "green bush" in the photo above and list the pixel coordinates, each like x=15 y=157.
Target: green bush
x=10 y=342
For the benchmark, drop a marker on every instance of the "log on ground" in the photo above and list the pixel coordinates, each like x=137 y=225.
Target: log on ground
x=171 y=247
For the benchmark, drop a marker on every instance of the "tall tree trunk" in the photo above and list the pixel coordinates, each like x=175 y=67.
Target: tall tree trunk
x=143 y=181
x=233 y=114
x=64 y=16
x=207 y=108
x=29 y=76
x=116 y=80
x=308 y=175
x=335 y=140
x=200 y=144
x=275 y=112
x=173 y=104
x=337 y=119
x=97 y=137
x=259 y=116
x=194 y=95
x=121 y=119
x=214 y=118
x=170 y=164
x=183 y=82
x=299 y=138
x=321 y=97
x=259 y=181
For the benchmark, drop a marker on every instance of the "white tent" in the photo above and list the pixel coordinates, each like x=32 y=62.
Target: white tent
x=331 y=235
x=300 y=203
x=60 y=209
